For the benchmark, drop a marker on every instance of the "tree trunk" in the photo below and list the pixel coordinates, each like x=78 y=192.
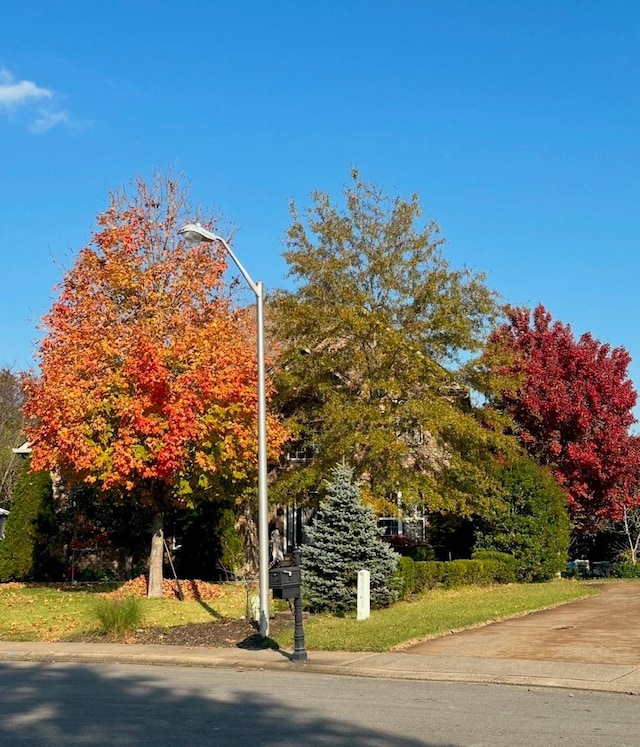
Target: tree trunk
x=154 y=588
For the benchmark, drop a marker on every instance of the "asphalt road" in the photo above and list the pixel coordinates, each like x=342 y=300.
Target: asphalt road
x=119 y=704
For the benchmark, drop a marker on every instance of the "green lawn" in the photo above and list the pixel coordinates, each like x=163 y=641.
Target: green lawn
x=47 y=614
x=433 y=613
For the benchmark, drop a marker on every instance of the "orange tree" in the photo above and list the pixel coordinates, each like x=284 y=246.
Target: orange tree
x=147 y=381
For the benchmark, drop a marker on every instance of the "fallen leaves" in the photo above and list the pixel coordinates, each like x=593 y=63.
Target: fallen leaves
x=192 y=590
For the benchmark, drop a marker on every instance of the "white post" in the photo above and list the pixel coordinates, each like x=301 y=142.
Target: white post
x=364 y=595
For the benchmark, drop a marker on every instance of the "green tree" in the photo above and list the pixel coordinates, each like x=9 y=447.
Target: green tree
x=10 y=430
x=32 y=548
x=343 y=540
x=531 y=522
x=370 y=340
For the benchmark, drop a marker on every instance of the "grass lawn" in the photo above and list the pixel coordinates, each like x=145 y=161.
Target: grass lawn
x=41 y=613
x=433 y=613
x=49 y=614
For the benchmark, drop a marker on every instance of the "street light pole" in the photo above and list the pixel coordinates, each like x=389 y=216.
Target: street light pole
x=194 y=233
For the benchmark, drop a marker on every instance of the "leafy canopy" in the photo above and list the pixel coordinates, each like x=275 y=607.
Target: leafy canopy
x=572 y=404
x=147 y=378
x=368 y=336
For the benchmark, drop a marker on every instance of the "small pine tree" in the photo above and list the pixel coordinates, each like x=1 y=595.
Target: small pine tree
x=343 y=540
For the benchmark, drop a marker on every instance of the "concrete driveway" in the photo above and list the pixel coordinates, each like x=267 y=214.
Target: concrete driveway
x=604 y=629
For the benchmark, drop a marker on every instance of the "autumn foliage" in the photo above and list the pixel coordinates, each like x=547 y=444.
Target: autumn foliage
x=571 y=401
x=147 y=378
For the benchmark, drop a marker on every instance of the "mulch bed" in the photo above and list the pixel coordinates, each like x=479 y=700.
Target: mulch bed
x=219 y=633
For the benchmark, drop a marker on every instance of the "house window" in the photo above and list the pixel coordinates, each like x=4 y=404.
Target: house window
x=302 y=452
x=392 y=527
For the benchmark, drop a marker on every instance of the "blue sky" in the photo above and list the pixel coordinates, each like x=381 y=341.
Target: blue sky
x=517 y=122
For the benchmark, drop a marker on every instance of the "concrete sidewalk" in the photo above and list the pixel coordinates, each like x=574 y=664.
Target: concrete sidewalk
x=593 y=644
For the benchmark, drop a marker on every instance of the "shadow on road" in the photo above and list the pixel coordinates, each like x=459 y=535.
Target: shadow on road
x=66 y=704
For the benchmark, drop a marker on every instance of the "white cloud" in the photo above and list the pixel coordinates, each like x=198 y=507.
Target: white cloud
x=17 y=93
x=39 y=103
x=46 y=120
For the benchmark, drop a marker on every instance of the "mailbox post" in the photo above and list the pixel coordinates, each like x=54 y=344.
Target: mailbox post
x=285 y=582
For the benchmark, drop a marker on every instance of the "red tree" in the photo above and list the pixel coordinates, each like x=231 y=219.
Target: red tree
x=147 y=384
x=571 y=401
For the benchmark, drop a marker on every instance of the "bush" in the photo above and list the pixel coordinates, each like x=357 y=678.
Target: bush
x=625 y=570
x=415 y=577
x=343 y=540
x=405 y=581
x=118 y=616
x=31 y=548
x=532 y=524
x=504 y=565
x=429 y=574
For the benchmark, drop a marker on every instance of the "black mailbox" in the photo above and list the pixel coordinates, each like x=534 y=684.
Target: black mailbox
x=285 y=581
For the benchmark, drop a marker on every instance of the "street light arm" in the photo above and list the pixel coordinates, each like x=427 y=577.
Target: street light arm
x=195 y=233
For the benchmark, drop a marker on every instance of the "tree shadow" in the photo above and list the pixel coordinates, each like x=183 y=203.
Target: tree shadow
x=85 y=704
x=214 y=613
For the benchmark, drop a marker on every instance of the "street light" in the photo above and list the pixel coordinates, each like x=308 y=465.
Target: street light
x=195 y=233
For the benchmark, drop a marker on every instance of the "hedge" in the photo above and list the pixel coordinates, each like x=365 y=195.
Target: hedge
x=414 y=577
x=625 y=570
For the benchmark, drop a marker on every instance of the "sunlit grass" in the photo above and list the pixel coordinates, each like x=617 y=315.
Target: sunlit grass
x=50 y=614
x=431 y=614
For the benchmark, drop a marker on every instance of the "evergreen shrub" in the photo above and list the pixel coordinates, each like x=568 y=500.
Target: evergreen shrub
x=424 y=575
x=625 y=570
x=532 y=523
x=406 y=577
x=429 y=574
x=31 y=548
x=421 y=552
x=503 y=564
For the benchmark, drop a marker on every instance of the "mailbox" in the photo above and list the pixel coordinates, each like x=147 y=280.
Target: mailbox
x=285 y=581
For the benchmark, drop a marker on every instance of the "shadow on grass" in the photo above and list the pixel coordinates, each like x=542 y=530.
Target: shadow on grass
x=208 y=608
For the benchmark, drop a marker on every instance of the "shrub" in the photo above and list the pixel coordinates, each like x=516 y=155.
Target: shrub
x=405 y=577
x=504 y=565
x=30 y=549
x=420 y=552
x=343 y=540
x=455 y=573
x=415 y=577
x=532 y=524
x=118 y=616
x=625 y=570
x=429 y=574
